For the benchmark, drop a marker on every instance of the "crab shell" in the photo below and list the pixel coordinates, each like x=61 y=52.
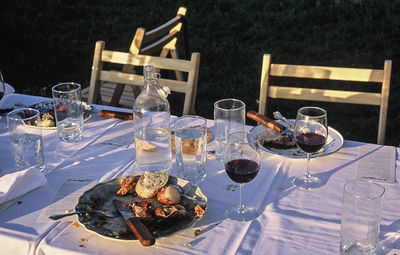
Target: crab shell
x=170 y=195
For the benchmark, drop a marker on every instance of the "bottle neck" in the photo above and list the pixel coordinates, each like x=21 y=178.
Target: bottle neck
x=149 y=85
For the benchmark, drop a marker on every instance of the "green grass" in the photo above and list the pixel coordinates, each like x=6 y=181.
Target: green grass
x=53 y=41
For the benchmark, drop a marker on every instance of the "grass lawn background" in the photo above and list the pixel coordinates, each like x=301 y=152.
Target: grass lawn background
x=47 y=42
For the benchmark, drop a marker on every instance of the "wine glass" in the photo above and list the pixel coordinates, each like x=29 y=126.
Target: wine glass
x=242 y=163
x=310 y=133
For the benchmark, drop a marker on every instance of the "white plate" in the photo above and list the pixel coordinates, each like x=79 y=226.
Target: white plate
x=333 y=143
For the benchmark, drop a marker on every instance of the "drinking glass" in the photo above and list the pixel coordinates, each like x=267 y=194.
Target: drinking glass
x=26 y=138
x=242 y=163
x=310 y=134
x=361 y=216
x=190 y=134
x=229 y=117
x=68 y=111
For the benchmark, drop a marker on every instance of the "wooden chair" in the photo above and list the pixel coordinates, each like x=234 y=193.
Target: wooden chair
x=160 y=41
x=381 y=76
x=99 y=75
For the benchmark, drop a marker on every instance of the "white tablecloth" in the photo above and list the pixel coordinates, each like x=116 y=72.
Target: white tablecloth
x=291 y=221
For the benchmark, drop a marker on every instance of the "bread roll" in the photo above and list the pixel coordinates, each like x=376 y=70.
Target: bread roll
x=144 y=146
x=150 y=183
x=170 y=195
x=190 y=145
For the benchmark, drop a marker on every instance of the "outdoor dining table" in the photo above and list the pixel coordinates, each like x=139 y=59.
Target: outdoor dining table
x=291 y=221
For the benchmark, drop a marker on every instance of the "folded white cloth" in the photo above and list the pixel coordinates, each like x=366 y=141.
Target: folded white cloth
x=19 y=183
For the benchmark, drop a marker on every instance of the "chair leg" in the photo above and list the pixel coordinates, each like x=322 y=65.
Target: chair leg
x=117 y=94
x=174 y=54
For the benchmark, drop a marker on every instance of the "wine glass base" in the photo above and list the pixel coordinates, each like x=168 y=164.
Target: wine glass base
x=245 y=214
x=305 y=182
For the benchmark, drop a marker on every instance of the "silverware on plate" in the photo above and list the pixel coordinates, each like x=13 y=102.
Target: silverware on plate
x=140 y=230
x=279 y=116
x=111 y=214
x=264 y=120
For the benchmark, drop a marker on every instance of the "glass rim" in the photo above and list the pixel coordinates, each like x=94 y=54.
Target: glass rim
x=324 y=113
x=255 y=137
x=77 y=86
x=13 y=112
x=231 y=109
x=204 y=120
x=380 y=192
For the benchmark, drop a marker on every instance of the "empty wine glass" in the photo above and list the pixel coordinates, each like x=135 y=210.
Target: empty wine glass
x=310 y=133
x=242 y=163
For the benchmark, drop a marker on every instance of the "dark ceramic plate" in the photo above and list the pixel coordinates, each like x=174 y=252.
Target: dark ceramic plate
x=100 y=198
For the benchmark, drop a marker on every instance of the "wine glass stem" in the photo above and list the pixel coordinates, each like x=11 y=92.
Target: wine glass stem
x=308 y=174
x=241 y=208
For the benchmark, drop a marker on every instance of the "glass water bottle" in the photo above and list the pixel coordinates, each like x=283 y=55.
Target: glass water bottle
x=151 y=121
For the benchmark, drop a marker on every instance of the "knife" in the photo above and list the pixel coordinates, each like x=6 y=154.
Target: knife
x=140 y=230
x=116 y=114
x=264 y=120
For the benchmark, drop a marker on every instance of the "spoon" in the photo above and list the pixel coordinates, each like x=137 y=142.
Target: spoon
x=278 y=116
x=104 y=213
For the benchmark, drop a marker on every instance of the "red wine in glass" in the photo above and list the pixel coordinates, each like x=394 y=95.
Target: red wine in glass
x=310 y=133
x=242 y=163
x=310 y=142
x=242 y=170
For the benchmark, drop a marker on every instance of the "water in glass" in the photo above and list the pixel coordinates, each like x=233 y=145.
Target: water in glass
x=68 y=111
x=153 y=149
x=70 y=129
x=22 y=147
x=191 y=164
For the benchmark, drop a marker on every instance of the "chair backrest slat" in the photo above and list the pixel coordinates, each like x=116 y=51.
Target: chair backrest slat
x=142 y=60
x=137 y=80
x=163 y=29
x=324 y=95
x=325 y=72
x=158 y=45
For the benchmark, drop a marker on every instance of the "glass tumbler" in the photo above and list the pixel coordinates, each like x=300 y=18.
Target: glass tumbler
x=361 y=217
x=68 y=111
x=26 y=138
x=190 y=134
x=229 y=117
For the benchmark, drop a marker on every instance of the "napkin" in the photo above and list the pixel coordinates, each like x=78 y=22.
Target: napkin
x=19 y=183
x=376 y=163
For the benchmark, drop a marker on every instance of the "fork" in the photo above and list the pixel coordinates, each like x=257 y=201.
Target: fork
x=111 y=214
x=279 y=116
